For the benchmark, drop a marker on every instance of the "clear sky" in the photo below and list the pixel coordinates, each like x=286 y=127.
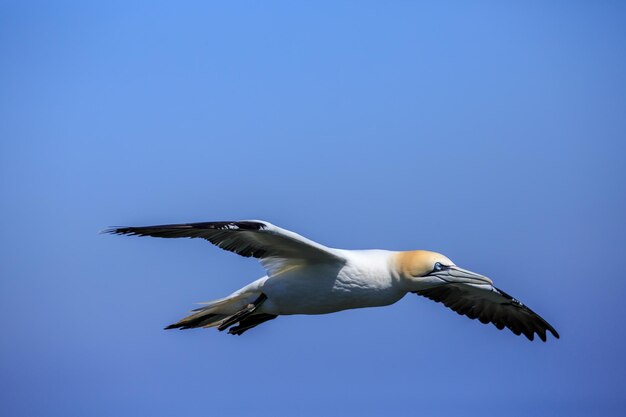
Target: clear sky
x=491 y=132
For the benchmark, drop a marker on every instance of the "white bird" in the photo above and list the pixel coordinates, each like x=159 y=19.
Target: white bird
x=304 y=277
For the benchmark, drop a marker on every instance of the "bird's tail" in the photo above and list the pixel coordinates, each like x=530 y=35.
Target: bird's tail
x=208 y=315
x=240 y=307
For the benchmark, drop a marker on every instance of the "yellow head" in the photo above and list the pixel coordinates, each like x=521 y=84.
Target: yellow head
x=417 y=263
x=421 y=268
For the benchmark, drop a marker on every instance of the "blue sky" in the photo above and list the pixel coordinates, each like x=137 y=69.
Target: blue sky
x=491 y=132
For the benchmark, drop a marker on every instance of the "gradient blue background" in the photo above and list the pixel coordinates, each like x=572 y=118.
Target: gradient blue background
x=491 y=132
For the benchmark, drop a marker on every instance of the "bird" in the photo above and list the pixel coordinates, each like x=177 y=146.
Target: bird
x=305 y=277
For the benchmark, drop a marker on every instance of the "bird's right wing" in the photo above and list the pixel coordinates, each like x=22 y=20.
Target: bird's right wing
x=277 y=249
x=490 y=305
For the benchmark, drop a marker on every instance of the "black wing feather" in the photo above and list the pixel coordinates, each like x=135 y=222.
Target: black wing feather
x=247 y=238
x=499 y=308
x=230 y=236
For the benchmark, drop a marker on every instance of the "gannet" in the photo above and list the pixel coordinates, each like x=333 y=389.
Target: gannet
x=305 y=277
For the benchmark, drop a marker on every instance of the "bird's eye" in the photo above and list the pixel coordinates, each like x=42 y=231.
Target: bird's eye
x=438 y=266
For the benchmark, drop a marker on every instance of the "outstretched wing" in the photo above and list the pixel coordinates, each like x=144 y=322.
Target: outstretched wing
x=490 y=305
x=276 y=248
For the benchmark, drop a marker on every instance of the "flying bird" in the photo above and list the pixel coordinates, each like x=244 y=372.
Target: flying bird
x=305 y=277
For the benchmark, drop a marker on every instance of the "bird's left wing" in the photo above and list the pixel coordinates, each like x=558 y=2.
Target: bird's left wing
x=276 y=248
x=490 y=305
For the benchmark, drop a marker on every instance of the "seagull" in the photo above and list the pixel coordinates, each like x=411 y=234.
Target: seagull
x=305 y=277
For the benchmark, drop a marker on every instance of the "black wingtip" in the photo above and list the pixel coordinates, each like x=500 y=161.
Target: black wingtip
x=529 y=323
x=114 y=230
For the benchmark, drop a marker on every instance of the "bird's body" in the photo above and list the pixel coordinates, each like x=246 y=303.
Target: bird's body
x=365 y=279
x=304 y=277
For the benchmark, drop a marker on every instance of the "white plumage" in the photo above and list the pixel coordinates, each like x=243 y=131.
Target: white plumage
x=304 y=277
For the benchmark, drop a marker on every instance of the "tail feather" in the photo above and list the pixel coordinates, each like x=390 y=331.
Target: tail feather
x=224 y=313
x=197 y=320
x=205 y=316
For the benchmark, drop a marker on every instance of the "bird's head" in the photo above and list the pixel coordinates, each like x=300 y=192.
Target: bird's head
x=421 y=268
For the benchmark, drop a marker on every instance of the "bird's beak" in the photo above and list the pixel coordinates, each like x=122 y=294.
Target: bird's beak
x=454 y=274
